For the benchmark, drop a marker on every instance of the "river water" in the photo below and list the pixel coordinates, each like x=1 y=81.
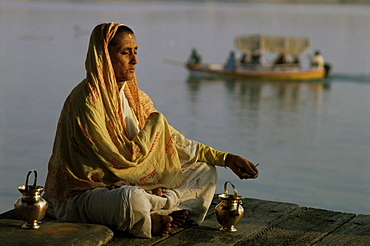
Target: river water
x=311 y=139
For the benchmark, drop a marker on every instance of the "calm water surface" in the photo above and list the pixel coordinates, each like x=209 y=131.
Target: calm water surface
x=311 y=138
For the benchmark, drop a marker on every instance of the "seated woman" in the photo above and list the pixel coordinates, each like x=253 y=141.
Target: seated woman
x=116 y=161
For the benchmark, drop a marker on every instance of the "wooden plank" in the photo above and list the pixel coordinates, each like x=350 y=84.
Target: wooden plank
x=258 y=214
x=303 y=226
x=123 y=238
x=355 y=232
x=264 y=223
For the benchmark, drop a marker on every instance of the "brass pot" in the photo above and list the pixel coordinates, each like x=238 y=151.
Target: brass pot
x=229 y=211
x=31 y=207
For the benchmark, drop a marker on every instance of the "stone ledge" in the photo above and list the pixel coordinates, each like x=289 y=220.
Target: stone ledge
x=53 y=233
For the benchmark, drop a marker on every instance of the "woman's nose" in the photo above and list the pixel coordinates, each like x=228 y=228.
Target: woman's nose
x=134 y=59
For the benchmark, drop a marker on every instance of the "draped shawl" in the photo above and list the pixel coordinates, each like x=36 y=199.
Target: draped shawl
x=91 y=148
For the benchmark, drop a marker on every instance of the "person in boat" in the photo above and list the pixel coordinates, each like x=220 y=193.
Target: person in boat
x=296 y=60
x=116 y=161
x=317 y=60
x=195 y=58
x=281 y=60
x=256 y=57
x=230 y=63
x=244 y=59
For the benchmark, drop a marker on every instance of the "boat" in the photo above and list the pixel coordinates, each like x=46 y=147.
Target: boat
x=255 y=68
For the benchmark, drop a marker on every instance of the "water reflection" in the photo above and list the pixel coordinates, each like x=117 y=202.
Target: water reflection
x=256 y=94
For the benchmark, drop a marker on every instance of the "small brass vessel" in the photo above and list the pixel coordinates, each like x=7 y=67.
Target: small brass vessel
x=229 y=211
x=31 y=206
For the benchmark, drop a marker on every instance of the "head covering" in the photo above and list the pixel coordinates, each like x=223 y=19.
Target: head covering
x=101 y=80
x=91 y=148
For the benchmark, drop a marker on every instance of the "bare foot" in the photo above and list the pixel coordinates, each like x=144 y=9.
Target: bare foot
x=179 y=218
x=161 y=224
x=158 y=191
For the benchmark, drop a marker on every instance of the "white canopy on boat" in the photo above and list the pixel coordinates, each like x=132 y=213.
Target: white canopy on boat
x=276 y=44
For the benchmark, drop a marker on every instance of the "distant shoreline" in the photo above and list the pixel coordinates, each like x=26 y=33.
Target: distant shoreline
x=345 y=2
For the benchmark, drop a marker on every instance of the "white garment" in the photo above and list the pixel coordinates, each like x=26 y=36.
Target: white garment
x=318 y=61
x=132 y=124
x=128 y=208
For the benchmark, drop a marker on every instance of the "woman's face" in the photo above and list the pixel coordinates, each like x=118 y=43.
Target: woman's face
x=123 y=57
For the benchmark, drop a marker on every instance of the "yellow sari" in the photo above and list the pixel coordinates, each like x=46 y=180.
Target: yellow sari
x=91 y=148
